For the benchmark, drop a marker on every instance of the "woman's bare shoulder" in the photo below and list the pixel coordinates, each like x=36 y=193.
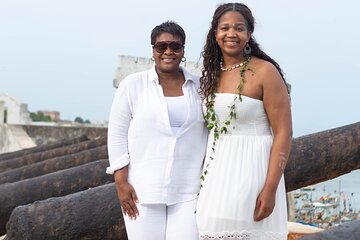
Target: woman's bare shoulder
x=262 y=66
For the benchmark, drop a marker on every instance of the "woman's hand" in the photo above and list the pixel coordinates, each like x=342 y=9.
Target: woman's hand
x=265 y=204
x=126 y=193
x=128 y=199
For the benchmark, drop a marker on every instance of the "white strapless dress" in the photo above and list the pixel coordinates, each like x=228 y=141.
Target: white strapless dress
x=236 y=176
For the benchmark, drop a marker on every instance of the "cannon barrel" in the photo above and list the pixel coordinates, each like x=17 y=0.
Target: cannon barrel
x=61 y=143
x=55 y=184
x=40 y=156
x=53 y=165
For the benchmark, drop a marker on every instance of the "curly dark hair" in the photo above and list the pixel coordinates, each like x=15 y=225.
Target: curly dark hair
x=168 y=27
x=212 y=53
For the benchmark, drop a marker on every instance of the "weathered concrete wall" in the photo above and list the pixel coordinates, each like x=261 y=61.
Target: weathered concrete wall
x=48 y=134
x=13 y=137
x=17 y=137
x=127 y=65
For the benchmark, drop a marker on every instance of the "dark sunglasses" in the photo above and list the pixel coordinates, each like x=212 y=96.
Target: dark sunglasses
x=161 y=47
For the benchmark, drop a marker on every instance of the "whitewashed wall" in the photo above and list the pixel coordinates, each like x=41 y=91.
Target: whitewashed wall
x=128 y=64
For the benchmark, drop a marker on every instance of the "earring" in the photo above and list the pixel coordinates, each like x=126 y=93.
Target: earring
x=183 y=59
x=152 y=59
x=247 y=49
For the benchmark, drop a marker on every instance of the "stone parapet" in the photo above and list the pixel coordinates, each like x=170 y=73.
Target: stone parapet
x=17 y=137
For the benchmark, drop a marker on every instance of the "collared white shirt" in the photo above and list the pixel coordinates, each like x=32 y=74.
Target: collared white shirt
x=163 y=167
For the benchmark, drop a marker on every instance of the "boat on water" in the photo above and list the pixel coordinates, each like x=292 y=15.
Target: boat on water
x=324 y=212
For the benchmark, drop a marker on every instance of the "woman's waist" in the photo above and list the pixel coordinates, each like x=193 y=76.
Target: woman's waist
x=247 y=130
x=174 y=172
x=165 y=189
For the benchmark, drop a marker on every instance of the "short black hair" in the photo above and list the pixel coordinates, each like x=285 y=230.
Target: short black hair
x=168 y=27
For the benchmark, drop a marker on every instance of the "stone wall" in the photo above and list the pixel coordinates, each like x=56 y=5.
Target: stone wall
x=48 y=134
x=17 y=137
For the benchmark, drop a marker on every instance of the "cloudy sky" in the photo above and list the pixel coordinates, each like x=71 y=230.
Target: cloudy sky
x=61 y=55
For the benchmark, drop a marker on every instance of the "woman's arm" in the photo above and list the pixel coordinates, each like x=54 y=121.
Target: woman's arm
x=118 y=127
x=277 y=106
x=119 y=122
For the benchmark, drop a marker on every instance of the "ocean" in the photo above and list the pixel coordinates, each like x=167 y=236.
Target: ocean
x=346 y=186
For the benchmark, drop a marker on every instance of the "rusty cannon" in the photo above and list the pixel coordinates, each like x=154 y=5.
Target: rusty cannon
x=53 y=165
x=41 y=156
x=41 y=148
x=55 y=184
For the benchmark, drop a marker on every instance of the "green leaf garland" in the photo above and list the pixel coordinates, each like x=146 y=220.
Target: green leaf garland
x=213 y=123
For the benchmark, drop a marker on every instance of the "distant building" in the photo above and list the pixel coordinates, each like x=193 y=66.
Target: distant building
x=53 y=115
x=12 y=111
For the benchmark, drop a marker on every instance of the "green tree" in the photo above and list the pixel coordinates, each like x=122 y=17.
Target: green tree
x=34 y=117
x=39 y=117
x=79 y=120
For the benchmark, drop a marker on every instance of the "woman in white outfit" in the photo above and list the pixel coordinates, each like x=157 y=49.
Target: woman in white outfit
x=156 y=143
x=248 y=111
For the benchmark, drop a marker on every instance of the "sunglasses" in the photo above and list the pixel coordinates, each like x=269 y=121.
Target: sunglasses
x=161 y=47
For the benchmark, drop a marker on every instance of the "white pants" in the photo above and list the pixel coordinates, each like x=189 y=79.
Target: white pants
x=162 y=222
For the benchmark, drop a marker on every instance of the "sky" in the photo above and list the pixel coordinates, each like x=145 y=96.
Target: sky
x=62 y=55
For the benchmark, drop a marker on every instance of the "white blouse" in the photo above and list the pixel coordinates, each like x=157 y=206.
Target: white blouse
x=164 y=167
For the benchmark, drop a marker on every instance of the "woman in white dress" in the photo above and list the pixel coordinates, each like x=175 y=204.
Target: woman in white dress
x=247 y=108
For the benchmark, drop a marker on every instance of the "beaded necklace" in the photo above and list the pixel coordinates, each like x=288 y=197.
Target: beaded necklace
x=213 y=122
x=230 y=68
